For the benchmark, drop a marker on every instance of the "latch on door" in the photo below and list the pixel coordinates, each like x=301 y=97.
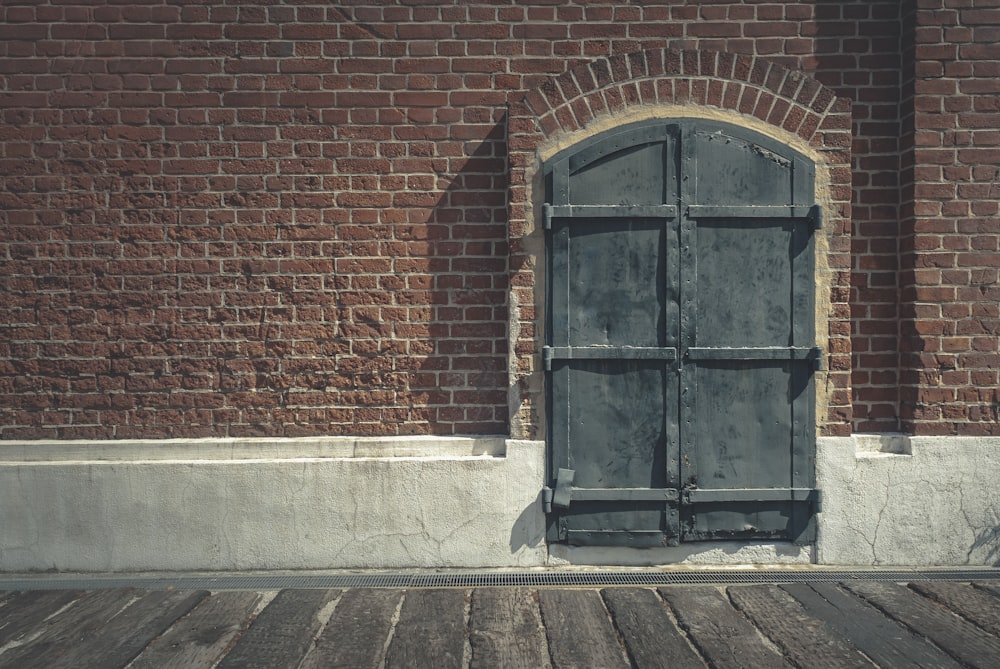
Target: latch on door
x=563 y=493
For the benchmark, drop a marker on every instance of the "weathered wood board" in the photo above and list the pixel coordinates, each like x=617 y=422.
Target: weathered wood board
x=505 y=629
x=723 y=636
x=579 y=630
x=282 y=633
x=927 y=624
x=123 y=637
x=652 y=638
x=801 y=636
x=71 y=626
x=885 y=641
x=969 y=602
x=958 y=637
x=356 y=634
x=430 y=631
x=23 y=611
x=202 y=637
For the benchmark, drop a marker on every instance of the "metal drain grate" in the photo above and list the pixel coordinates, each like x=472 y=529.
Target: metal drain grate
x=485 y=579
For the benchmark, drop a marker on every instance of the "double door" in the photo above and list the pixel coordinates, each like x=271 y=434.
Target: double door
x=679 y=349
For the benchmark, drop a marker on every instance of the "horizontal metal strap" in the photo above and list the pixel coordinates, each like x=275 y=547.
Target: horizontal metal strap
x=607 y=211
x=754 y=353
x=809 y=213
x=550 y=353
x=630 y=538
x=623 y=494
x=704 y=495
x=565 y=494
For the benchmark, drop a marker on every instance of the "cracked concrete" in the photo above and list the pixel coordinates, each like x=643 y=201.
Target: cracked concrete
x=919 y=501
x=125 y=508
x=440 y=502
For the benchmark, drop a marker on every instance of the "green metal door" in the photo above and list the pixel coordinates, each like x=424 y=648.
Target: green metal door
x=679 y=350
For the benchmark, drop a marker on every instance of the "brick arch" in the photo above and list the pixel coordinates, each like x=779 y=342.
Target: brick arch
x=750 y=85
x=788 y=104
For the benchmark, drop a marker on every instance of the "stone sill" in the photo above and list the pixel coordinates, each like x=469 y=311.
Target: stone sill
x=250 y=449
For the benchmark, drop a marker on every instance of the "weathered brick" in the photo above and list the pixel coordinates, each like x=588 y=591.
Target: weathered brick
x=221 y=146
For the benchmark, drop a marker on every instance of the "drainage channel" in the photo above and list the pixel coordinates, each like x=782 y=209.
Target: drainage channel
x=477 y=579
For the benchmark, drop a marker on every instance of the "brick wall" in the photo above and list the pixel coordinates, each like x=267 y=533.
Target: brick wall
x=290 y=218
x=951 y=230
x=859 y=55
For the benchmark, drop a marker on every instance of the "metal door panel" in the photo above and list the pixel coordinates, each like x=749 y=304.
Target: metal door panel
x=746 y=440
x=614 y=516
x=680 y=337
x=740 y=170
x=631 y=166
x=748 y=360
x=616 y=279
x=611 y=428
x=623 y=177
x=616 y=423
x=727 y=521
x=745 y=437
x=612 y=359
x=743 y=283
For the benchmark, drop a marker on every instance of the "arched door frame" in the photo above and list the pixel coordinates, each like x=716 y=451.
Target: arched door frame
x=768 y=98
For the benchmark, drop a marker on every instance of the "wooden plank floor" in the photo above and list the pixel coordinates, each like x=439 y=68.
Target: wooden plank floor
x=855 y=624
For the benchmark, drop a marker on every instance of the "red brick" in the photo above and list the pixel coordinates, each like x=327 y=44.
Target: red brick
x=352 y=135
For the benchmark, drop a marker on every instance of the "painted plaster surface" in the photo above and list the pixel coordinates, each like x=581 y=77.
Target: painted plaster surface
x=699 y=553
x=452 y=502
x=278 y=504
x=896 y=500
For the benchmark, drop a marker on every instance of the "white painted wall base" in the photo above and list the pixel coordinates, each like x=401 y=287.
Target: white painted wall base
x=336 y=503
x=270 y=504
x=897 y=500
x=697 y=553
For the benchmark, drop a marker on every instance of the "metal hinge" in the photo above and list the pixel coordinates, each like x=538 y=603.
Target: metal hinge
x=817 y=358
x=816 y=216
x=561 y=496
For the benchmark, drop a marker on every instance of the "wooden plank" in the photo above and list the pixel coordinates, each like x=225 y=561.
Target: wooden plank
x=885 y=641
x=283 y=632
x=357 y=632
x=803 y=638
x=987 y=586
x=54 y=636
x=123 y=637
x=200 y=639
x=579 y=630
x=724 y=637
x=430 y=631
x=505 y=629
x=652 y=638
x=959 y=638
x=25 y=610
x=971 y=603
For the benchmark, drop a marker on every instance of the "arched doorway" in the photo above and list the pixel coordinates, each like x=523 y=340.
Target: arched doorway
x=679 y=337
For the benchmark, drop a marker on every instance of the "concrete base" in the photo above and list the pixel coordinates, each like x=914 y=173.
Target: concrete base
x=343 y=503
x=920 y=501
x=698 y=553
x=267 y=504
